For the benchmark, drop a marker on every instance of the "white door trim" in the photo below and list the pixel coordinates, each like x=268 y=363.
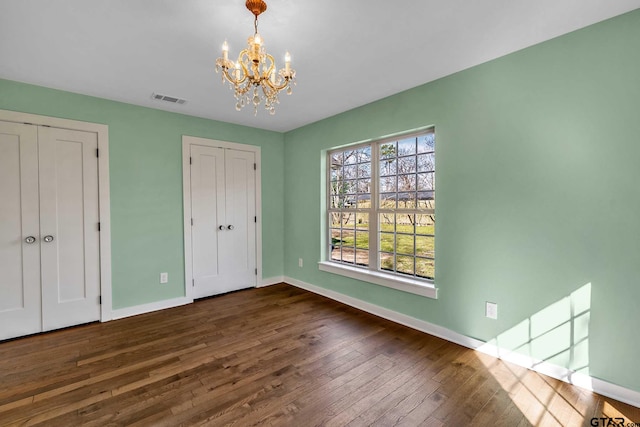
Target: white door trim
x=103 y=191
x=187 y=142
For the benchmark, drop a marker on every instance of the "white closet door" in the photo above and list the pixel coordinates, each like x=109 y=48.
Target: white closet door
x=69 y=216
x=239 y=240
x=19 y=219
x=223 y=208
x=208 y=213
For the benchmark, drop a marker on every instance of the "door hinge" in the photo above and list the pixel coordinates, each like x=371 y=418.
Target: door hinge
x=190 y=160
x=255 y=219
x=192 y=222
x=256 y=271
x=97 y=152
x=255 y=167
x=98 y=226
x=193 y=282
x=100 y=299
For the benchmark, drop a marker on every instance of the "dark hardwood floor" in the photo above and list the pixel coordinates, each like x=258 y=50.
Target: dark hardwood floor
x=274 y=356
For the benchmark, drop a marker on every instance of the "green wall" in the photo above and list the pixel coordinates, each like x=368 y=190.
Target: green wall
x=145 y=153
x=538 y=199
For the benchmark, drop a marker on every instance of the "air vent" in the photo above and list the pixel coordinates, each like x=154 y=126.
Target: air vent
x=166 y=98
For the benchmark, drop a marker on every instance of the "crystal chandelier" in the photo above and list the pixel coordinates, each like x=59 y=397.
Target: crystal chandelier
x=254 y=76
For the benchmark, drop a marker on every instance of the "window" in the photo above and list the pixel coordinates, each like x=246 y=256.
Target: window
x=381 y=207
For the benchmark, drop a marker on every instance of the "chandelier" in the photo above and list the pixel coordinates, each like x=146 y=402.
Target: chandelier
x=254 y=77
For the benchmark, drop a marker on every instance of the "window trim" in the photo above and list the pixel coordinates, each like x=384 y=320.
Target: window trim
x=418 y=287
x=372 y=273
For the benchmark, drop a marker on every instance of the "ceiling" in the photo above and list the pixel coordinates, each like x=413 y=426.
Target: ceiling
x=346 y=52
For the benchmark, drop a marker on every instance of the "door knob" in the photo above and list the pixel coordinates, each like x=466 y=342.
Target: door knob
x=30 y=239
x=230 y=227
x=221 y=228
x=48 y=238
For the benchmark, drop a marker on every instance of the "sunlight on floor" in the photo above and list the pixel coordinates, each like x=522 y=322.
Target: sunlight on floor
x=555 y=340
x=629 y=414
x=556 y=336
x=542 y=400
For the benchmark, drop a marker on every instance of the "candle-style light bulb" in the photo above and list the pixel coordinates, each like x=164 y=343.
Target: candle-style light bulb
x=287 y=62
x=257 y=39
x=237 y=71
x=225 y=50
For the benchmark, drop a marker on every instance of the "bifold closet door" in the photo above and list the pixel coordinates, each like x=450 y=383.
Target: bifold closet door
x=223 y=231
x=240 y=207
x=49 y=239
x=208 y=213
x=20 y=312
x=69 y=236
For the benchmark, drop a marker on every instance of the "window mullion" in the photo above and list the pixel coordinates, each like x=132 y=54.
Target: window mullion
x=374 y=238
x=328 y=244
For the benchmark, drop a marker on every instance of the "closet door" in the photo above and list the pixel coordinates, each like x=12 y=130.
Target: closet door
x=239 y=240
x=69 y=237
x=19 y=236
x=223 y=230
x=208 y=213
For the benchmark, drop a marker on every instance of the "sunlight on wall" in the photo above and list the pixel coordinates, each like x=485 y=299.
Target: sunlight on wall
x=556 y=336
x=554 y=340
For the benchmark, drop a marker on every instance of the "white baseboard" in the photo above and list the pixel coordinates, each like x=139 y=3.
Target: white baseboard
x=599 y=386
x=148 y=308
x=176 y=302
x=270 y=281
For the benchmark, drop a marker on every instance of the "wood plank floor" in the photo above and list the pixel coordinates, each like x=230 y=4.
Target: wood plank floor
x=274 y=356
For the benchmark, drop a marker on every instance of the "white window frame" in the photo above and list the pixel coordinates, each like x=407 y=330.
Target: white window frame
x=372 y=272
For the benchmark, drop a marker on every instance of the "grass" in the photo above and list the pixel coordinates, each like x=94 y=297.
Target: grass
x=402 y=243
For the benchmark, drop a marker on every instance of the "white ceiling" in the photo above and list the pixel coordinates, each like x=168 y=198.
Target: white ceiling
x=346 y=52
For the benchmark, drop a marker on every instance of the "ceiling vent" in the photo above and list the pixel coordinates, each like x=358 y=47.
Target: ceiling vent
x=166 y=98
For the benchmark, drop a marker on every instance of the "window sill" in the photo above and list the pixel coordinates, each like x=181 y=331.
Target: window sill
x=416 y=287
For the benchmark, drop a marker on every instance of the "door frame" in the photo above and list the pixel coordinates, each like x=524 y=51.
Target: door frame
x=102 y=131
x=187 y=142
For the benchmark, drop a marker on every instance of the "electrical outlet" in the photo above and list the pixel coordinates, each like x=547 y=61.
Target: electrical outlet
x=491 y=310
x=300 y=263
x=164 y=277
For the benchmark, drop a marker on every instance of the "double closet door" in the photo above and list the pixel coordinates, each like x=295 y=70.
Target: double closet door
x=223 y=221
x=49 y=238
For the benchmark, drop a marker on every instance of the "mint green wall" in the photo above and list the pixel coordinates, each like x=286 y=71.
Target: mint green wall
x=538 y=199
x=145 y=151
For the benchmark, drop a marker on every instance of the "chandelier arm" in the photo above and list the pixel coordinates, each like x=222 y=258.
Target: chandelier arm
x=271 y=98
x=272 y=65
x=269 y=90
x=274 y=85
x=245 y=71
x=231 y=79
x=277 y=87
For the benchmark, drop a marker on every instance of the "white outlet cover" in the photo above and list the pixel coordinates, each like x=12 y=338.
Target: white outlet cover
x=164 y=277
x=491 y=310
x=300 y=262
